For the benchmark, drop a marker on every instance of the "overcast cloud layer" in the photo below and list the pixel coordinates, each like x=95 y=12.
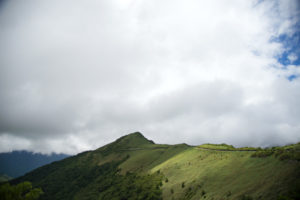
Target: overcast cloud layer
x=75 y=75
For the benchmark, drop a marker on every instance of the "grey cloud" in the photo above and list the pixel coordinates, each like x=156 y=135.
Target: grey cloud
x=209 y=99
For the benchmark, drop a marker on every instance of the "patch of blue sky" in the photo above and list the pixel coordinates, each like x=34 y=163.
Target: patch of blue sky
x=288 y=11
x=291 y=53
x=292 y=77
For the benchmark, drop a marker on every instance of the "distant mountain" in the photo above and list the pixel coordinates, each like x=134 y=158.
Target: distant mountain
x=4 y=178
x=17 y=163
x=134 y=167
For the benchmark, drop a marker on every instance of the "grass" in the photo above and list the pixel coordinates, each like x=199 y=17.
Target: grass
x=227 y=147
x=217 y=146
x=144 y=160
x=218 y=173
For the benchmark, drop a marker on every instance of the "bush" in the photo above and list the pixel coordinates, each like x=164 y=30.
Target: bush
x=22 y=191
x=285 y=156
x=262 y=154
x=182 y=185
x=292 y=155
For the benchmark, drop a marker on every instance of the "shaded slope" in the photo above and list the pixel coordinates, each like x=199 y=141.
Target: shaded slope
x=106 y=171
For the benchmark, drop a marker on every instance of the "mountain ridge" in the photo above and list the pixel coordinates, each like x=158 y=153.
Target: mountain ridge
x=133 y=167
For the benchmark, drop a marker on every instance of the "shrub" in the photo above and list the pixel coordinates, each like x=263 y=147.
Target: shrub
x=182 y=185
x=285 y=156
x=22 y=191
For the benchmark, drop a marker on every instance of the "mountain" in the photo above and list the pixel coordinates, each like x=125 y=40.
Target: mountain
x=134 y=167
x=4 y=178
x=17 y=163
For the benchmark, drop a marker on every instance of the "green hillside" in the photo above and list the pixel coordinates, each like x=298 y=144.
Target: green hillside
x=133 y=167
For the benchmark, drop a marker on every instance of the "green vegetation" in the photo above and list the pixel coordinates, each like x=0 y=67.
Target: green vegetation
x=227 y=147
x=217 y=146
x=22 y=191
x=133 y=167
x=217 y=172
x=130 y=186
x=96 y=182
x=290 y=152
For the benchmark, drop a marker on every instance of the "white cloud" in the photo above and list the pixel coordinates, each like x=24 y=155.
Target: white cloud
x=179 y=71
x=10 y=143
x=292 y=57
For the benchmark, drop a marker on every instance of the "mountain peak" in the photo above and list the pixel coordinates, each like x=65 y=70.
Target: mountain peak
x=134 y=134
x=134 y=139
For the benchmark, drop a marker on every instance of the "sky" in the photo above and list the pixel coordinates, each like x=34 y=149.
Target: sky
x=75 y=75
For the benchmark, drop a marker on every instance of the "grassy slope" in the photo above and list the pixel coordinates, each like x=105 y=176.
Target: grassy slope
x=145 y=159
x=208 y=174
x=143 y=154
x=219 y=174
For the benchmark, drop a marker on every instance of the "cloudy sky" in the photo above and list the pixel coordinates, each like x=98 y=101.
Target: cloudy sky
x=75 y=75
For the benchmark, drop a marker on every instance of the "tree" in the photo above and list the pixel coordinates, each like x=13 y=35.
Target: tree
x=22 y=191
